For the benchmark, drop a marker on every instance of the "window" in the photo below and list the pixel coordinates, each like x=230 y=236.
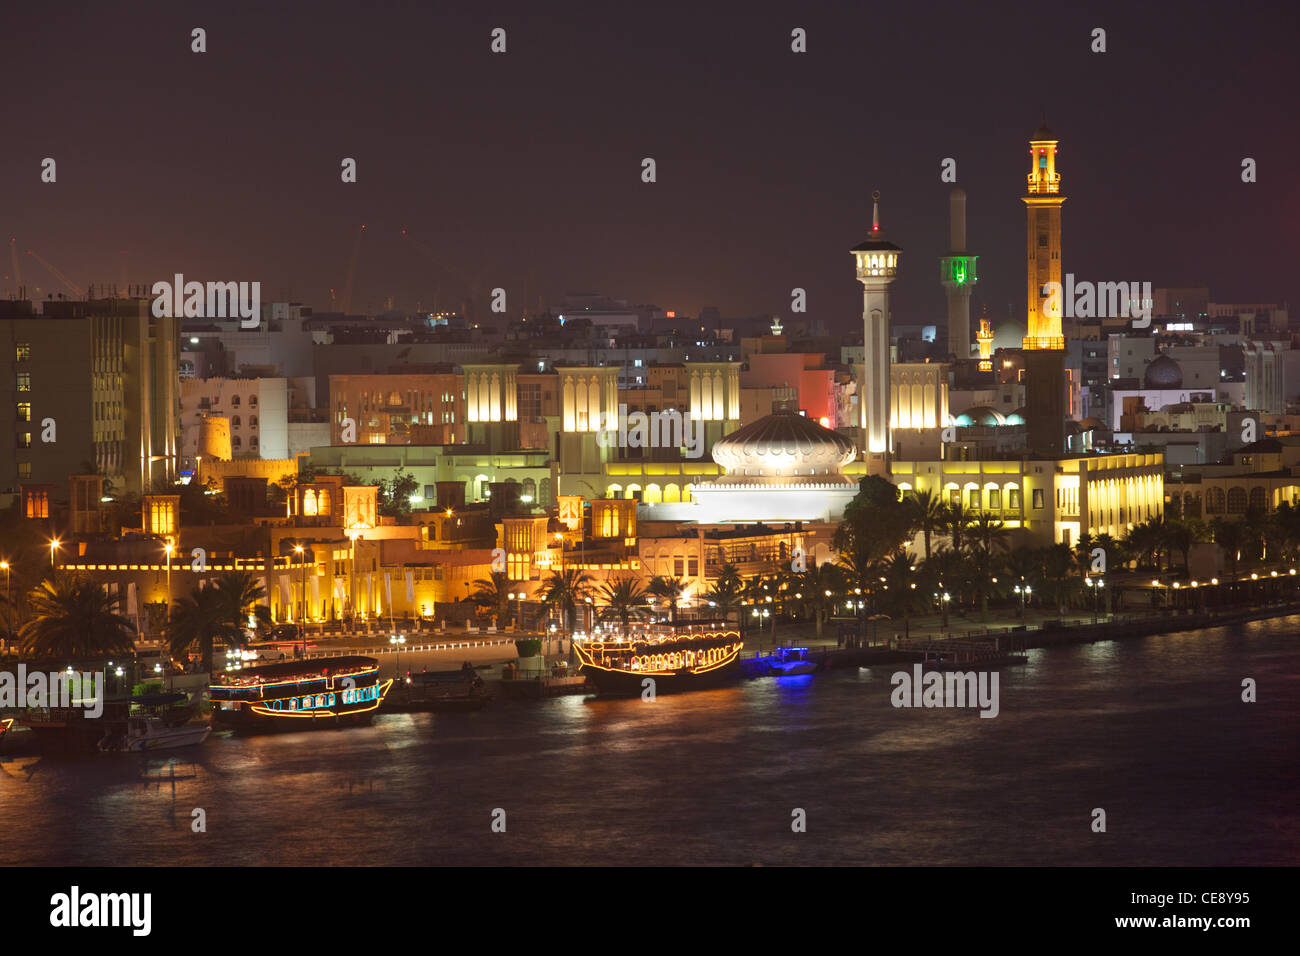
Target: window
x=24 y=382
x=23 y=352
x=1038 y=497
x=1013 y=499
x=235 y=442
x=235 y=422
x=24 y=469
x=24 y=411
x=252 y=399
x=693 y=566
x=252 y=421
x=954 y=497
x=678 y=567
x=234 y=401
x=24 y=439
x=995 y=499
x=973 y=498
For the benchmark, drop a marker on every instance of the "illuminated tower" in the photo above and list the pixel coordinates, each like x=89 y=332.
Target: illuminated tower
x=985 y=338
x=1044 y=345
x=957 y=273
x=877 y=263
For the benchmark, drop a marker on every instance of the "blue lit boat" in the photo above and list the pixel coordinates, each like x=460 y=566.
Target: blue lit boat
x=299 y=695
x=788 y=661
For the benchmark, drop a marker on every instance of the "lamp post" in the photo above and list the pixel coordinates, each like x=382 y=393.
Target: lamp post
x=4 y=565
x=54 y=546
x=397 y=640
x=168 y=549
x=560 y=538
x=302 y=567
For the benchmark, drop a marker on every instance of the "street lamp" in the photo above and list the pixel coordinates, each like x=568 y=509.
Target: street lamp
x=397 y=640
x=302 y=564
x=54 y=546
x=168 y=549
x=4 y=565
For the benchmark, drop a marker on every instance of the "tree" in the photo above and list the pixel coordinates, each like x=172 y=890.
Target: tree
x=900 y=585
x=200 y=620
x=928 y=514
x=726 y=593
x=75 y=618
x=625 y=600
x=667 y=588
x=987 y=533
x=395 y=495
x=492 y=595
x=1229 y=537
x=821 y=585
x=944 y=570
x=876 y=523
x=563 y=592
x=956 y=520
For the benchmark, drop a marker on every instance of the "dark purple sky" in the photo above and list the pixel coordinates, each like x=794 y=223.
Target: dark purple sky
x=525 y=167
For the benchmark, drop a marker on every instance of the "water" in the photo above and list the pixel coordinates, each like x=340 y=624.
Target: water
x=1153 y=731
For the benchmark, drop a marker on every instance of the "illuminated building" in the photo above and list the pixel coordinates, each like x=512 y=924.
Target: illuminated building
x=877 y=267
x=985 y=339
x=1044 y=343
x=1053 y=500
x=958 y=274
x=784 y=467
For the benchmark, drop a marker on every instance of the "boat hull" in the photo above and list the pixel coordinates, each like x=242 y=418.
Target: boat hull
x=622 y=683
x=175 y=737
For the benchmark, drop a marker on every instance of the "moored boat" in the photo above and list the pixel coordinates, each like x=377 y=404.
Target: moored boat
x=788 y=661
x=299 y=695
x=154 y=733
x=673 y=659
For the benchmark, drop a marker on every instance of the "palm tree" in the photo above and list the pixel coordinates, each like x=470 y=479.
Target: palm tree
x=200 y=620
x=624 y=600
x=492 y=594
x=944 y=570
x=928 y=513
x=956 y=519
x=563 y=592
x=988 y=533
x=238 y=596
x=984 y=567
x=725 y=593
x=820 y=586
x=1057 y=560
x=667 y=588
x=900 y=592
x=74 y=618
x=1228 y=536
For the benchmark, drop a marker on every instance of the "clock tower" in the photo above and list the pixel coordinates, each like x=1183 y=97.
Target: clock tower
x=1044 y=343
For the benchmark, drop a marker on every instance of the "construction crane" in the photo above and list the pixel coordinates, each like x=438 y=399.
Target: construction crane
x=472 y=282
x=345 y=304
x=75 y=289
x=18 y=268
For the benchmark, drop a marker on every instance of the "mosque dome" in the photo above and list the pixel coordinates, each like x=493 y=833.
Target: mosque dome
x=783 y=445
x=1163 y=372
x=981 y=415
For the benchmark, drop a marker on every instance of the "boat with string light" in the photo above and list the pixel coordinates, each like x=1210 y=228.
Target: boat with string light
x=675 y=658
x=299 y=695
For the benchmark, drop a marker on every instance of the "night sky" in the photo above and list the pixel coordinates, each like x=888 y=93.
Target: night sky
x=524 y=168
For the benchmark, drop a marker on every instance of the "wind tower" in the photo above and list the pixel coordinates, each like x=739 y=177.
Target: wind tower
x=1044 y=344
x=957 y=274
x=877 y=267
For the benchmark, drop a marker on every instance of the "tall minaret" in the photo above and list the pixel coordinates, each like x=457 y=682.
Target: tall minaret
x=957 y=273
x=1044 y=344
x=877 y=263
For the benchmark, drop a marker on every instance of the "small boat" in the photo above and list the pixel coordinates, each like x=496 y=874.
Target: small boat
x=788 y=661
x=154 y=733
x=460 y=689
x=5 y=724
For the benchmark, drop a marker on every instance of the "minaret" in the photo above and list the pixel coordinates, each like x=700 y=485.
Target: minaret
x=957 y=273
x=985 y=338
x=877 y=265
x=1044 y=344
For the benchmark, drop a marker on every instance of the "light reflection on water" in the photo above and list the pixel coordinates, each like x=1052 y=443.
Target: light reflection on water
x=1154 y=731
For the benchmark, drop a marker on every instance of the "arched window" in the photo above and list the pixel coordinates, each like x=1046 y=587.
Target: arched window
x=235 y=422
x=252 y=399
x=235 y=442
x=234 y=401
x=1258 y=499
x=1215 y=501
x=252 y=421
x=1191 y=506
x=1236 y=501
